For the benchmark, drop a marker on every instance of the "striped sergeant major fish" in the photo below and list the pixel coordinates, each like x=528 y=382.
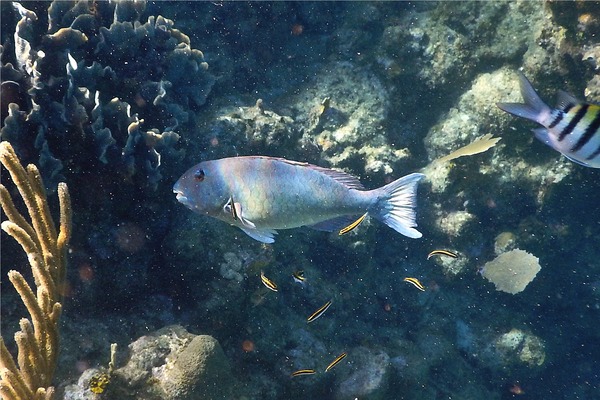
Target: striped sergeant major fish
x=572 y=128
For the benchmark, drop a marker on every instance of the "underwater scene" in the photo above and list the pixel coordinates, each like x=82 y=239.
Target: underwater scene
x=300 y=200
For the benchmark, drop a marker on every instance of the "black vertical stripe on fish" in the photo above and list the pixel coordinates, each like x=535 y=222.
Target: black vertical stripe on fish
x=557 y=119
x=573 y=123
x=589 y=132
x=568 y=107
x=595 y=154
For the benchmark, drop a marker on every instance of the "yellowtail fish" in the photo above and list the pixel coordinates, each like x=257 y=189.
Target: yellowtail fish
x=267 y=282
x=301 y=372
x=352 y=225
x=260 y=195
x=415 y=282
x=446 y=253
x=319 y=312
x=573 y=128
x=299 y=277
x=336 y=361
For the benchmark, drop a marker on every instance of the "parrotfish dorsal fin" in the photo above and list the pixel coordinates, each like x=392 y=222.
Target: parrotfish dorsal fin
x=344 y=178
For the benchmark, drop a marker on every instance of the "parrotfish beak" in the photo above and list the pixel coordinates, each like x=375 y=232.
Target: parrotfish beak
x=180 y=197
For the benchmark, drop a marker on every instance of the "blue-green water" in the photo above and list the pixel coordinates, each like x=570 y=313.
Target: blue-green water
x=379 y=90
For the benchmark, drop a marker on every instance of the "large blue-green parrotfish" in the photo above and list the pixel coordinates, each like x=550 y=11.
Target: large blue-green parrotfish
x=260 y=195
x=572 y=128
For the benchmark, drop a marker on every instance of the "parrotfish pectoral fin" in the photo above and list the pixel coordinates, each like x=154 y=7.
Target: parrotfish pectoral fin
x=262 y=235
x=397 y=205
x=533 y=107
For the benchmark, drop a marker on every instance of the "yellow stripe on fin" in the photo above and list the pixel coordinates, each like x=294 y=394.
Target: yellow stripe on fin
x=353 y=225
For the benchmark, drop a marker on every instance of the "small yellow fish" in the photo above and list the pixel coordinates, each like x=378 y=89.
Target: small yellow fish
x=336 y=361
x=415 y=282
x=442 y=253
x=267 y=282
x=319 y=312
x=303 y=372
x=299 y=277
x=352 y=225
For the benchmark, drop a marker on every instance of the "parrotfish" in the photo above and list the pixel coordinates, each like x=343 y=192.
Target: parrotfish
x=260 y=195
x=572 y=128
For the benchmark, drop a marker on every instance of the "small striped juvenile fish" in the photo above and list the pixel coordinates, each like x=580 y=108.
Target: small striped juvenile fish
x=446 y=253
x=416 y=283
x=267 y=282
x=319 y=312
x=572 y=128
x=301 y=372
x=299 y=277
x=336 y=361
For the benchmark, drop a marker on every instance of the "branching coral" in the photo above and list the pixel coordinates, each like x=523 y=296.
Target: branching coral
x=37 y=341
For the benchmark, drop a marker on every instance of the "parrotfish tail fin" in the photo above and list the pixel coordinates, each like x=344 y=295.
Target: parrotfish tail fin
x=534 y=107
x=397 y=205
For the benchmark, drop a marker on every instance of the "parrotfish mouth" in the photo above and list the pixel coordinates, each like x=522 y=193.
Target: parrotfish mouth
x=181 y=198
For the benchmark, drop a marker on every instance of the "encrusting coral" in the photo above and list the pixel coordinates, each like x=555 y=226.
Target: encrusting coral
x=37 y=342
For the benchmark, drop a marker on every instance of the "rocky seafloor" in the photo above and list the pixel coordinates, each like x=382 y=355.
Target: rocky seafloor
x=119 y=99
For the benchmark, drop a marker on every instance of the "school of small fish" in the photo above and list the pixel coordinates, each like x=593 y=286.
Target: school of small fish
x=261 y=195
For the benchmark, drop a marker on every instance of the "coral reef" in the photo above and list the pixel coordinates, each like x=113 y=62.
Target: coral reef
x=170 y=363
x=93 y=88
x=38 y=340
x=368 y=381
x=376 y=89
x=517 y=346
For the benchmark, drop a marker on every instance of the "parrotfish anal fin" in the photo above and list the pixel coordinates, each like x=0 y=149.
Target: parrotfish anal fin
x=262 y=235
x=334 y=224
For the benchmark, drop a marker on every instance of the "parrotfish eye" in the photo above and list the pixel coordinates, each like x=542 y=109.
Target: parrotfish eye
x=199 y=175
